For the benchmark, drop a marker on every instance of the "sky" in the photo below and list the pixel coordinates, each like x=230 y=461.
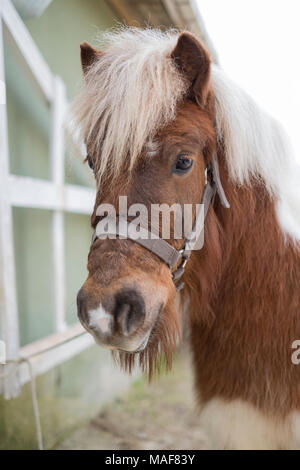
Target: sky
x=258 y=45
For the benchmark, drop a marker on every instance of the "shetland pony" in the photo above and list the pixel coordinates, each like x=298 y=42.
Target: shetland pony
x=153 y=111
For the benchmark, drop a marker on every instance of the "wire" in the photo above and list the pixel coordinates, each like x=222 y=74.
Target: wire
x=34 y=398
x=35 y=406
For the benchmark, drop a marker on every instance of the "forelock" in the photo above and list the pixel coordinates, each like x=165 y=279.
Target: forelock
x=130 y=92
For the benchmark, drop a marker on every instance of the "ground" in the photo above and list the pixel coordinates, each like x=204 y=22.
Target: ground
x=160 y=415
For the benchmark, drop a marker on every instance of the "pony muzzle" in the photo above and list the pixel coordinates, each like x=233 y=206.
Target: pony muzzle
x=123 y=320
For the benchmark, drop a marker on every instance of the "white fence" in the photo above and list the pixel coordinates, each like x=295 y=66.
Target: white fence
x=18 y=191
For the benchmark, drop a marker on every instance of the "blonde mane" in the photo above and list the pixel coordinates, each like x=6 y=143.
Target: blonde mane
x=257 y=147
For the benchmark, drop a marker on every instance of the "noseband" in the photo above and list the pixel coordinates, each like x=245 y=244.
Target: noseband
x=165 y=251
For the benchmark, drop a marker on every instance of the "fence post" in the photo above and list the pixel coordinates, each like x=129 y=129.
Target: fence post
x=9 y=332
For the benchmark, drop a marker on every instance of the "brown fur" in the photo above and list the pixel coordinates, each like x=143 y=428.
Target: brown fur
x=247 y=314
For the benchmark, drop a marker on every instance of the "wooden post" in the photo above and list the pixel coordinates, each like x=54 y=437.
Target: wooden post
x=9 y=332
x=58 y=175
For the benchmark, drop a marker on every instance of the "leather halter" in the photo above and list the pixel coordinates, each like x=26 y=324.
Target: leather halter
x=165 y=251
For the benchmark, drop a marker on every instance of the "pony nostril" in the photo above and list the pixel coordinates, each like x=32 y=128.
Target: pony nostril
x=129 y=312
x=123 y=316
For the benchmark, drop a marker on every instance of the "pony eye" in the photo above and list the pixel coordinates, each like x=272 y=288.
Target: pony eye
x=89 y=160
x=183 y=164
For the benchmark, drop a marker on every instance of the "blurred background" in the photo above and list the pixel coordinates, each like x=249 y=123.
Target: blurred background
x=46 y=193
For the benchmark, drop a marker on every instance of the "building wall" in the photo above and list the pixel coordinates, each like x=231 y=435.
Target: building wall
x=75 y=390
x=61 y=29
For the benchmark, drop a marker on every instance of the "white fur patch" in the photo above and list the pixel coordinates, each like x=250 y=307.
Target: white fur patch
x=238 y=425
x=99 y=318
x=295 y=423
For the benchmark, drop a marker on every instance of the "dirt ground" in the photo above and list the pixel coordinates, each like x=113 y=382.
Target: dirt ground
x=161 y=415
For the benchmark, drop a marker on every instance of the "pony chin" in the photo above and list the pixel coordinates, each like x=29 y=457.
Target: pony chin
x=158 y=353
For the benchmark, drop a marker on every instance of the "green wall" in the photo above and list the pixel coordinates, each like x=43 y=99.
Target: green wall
x=32 y=242
x=61 y=29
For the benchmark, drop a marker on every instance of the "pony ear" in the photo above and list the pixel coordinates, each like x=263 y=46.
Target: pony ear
x=88 y=55
x=194 y=62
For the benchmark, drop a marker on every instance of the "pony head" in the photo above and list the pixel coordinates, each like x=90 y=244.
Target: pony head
x=146 y=115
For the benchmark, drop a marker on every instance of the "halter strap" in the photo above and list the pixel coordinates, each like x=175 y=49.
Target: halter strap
x=160 y=247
